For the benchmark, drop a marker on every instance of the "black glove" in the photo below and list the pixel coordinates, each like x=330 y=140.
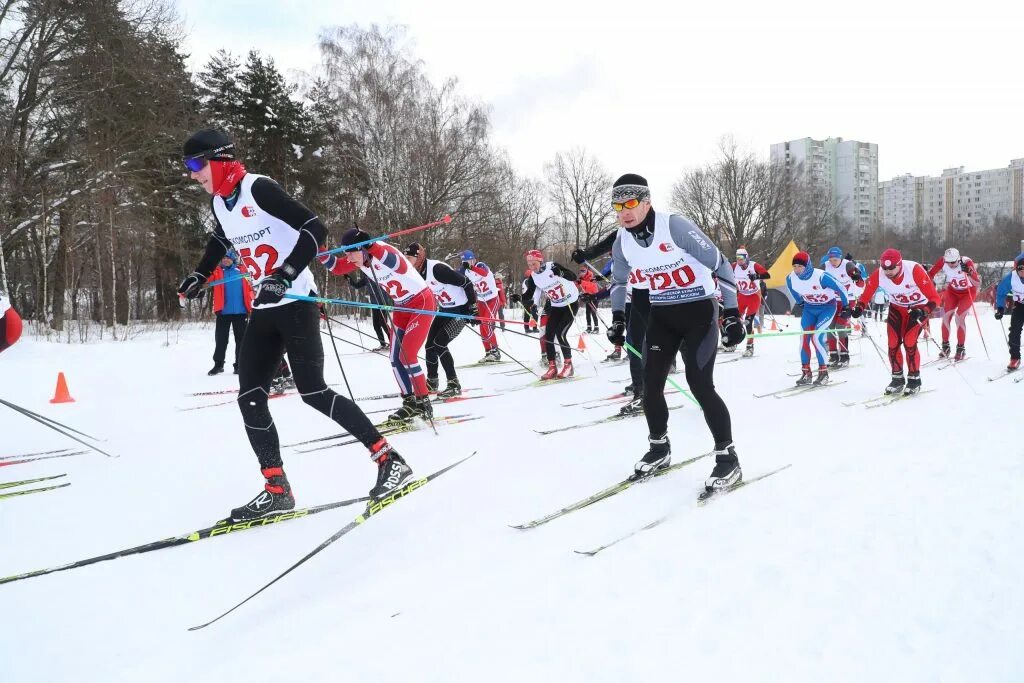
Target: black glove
x=917 y=316
x=858 y=308
x=272 y=288
x=469 y=309
x=752 y=276
x=845 y=313
x=732 y=327
x=999 y=314
x=578 y=256
x=465 y=265
x=192 y=286
x=617 y=330
x=515 y=298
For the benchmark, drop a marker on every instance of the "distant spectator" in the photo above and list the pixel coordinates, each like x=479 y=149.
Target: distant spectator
x=232 y=303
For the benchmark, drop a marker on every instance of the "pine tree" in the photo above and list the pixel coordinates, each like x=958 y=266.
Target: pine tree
x=270 y=121
x=220 y=96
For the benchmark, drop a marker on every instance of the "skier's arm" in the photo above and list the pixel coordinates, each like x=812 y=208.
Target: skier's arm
x=216 y=247
x=620 y=273
x=936 y=267
x=272 y=198
x=1003 y=290
x=760 y=272
x=688 y=236
x=444 y=274
x=530 y=290
x=830 y=282
x=593 y=251
x=870 y=285
x=920 y=276
x=798 y=300
x=971 y=271
x=563 y=272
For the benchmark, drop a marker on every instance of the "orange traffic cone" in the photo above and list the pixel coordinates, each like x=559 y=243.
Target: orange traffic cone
x=581 y=345
x=62 y=395
x=774 y=327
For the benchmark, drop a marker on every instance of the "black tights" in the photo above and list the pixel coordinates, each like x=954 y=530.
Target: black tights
x=293 y=327
x=559 y=322
x=442 y=331
x=693 y=329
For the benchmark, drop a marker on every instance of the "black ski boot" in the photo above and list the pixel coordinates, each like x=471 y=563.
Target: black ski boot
x=944 y=352
x=844 y=359
x=276 y=496
x=392 y=470
x=629 y=389
x=492 y=356
x=634 y=407
x=216 y=369
x=413 y=407
x=913 y=383
x=806 y=378
x=833 y=359
x=614 y=355
x=961 y=353
x=452 y=390
x=749 y=351
x=822 y=378
x=897 y=384
x=432 y=384
x=658 y=456
x=727 y=472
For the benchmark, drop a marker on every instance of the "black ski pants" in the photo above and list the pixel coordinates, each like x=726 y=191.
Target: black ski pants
x=691 y=328
x=637 y=313
x=224 y=325
x=380 y=327
x=442 y=331
x=294 y=327
x=1016 y=323
x=560 y=319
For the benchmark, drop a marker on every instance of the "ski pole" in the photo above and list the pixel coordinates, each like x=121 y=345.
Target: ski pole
x=504 y=352
x=588 y=355
x=46 y=422
x=338 y=356
x=359 y=304
x=877 y=349
x=980 y=335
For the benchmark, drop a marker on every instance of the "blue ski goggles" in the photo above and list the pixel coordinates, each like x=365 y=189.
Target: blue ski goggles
x=196 y=162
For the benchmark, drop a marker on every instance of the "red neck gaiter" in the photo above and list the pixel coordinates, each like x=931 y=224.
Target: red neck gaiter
x=225 y=176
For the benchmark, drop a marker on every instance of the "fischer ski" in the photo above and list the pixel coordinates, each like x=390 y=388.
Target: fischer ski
x=702 y=500
x=13 y=494
x=612 y=490
x=30 y=455
x=372 y=509
x=12 y=484
x=221 y=528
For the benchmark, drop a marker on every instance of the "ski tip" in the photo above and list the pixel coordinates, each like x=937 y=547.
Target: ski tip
x=588 y=553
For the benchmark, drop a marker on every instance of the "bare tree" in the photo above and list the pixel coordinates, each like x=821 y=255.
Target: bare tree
x=578 y=187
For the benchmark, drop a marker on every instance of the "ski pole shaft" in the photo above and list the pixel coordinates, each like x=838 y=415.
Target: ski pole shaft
x=981 y=336
x=46 y=423
x=359 y=304
x=444 y=221
x=338 y=356
x=506 y=353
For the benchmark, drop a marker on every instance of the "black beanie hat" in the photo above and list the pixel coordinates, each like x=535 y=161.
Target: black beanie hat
x=209 y=143
x=630 y=186
x=354 y=236
x=413 y=249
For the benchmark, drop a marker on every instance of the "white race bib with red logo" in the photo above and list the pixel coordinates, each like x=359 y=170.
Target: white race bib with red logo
x=906 y=294
x=486 y=288
x=672 y=275
x=956 y=278
x=811 y=290
x=744 y=285
x=448 y=296
x=395 y=275
x=262 y=241
x=560 y=292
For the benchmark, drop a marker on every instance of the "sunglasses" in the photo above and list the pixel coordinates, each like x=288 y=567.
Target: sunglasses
x=1020 y=266
x=895 y=267
x=628 y=204
x=198 y=162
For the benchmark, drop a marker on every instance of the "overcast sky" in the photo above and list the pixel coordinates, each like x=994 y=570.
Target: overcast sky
x=651 y=88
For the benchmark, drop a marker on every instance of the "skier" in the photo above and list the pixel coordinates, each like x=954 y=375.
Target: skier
x=588 y=292
x=379 y=316
x=281 y=237
x=232 y=303
x=529 y=314
x=499 y=284
x=392 y=273
x=676 y=261
x=878 y=303
x=847 y=273
x=912 y=298
x=486 y=302
x=749 y=275
x=455 y=294
x=1009 y=298
x=10 y=323
x=962 y=285
x=818 y=293
x=558 y=284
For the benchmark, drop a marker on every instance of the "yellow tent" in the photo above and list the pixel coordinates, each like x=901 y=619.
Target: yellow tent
x=782 y=267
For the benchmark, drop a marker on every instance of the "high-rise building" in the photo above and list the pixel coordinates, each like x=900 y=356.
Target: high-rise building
x=956 y=203
x=846 y=170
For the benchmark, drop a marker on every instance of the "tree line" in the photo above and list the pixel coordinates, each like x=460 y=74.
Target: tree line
x=99 y=221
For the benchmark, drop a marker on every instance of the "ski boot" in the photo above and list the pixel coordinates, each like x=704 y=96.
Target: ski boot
x=844 y=359
x=944 y=351
x=913 y=384
x=727 y=472
x=552 y=371
x=657 y=457
x=392 y=470
x=634 y=407
x=567 y=370
x=1014 y=365
x=614 y=355
x=384 y=346
x=749 y=351
x=822 y=378
x=961 y=353
x=452 y=390
x=276 y=496
x=432 y=384
x=217 y=369
x=412 y=407
x=806 y=378
x=630 y=390
x=492 y=356
x=896 y=385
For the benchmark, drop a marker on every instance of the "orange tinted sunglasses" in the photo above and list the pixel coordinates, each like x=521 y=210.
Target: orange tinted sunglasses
x=628 y=204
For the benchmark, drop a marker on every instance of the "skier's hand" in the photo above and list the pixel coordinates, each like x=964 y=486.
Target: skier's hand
x=617 y=330
x=273 y=288
x=999 y=314
x=732 y=327
x=468 y=309
x=752 y=276
x=917 y=316
x=845 y=313
x=578 y=256
x=858 y=309
x=192 y=285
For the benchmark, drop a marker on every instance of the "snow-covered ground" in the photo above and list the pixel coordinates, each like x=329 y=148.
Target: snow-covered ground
x=889 y=551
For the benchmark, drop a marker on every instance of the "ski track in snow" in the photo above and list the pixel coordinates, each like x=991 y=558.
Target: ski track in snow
x=889 y=551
